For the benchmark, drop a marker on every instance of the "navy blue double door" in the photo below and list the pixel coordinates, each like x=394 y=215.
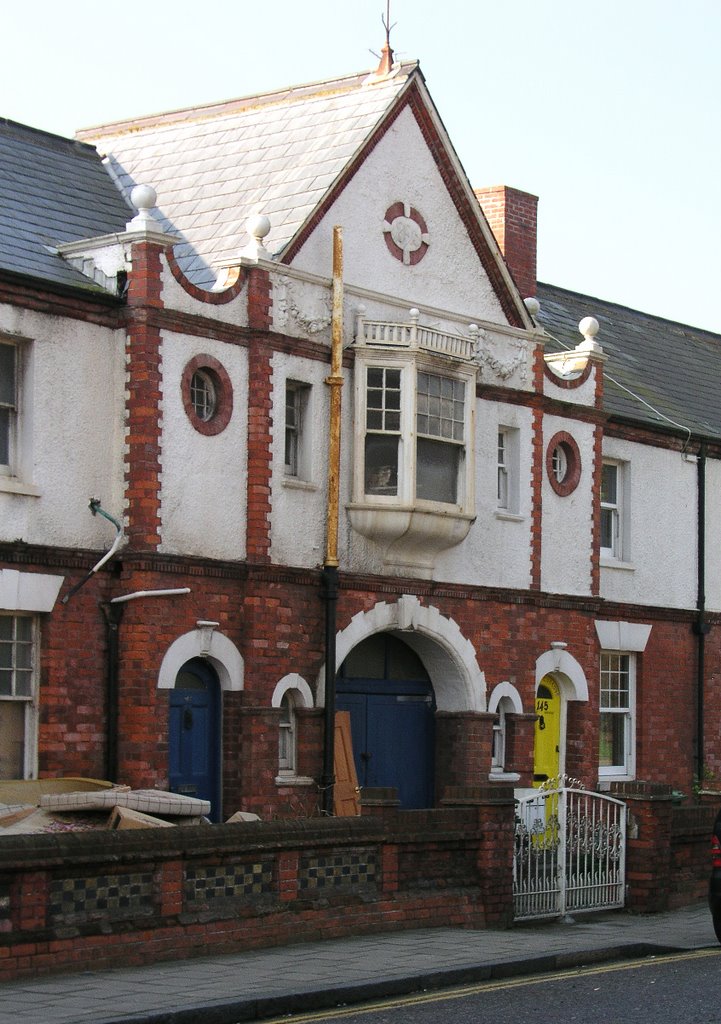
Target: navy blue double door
x=194 y=734
x=393 y=733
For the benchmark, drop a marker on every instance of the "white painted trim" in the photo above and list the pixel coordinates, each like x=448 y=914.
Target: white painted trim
x=223 y=655
x=28 y=591
x=508 y=691
x=566 y=671
x=292 y=682
x=622 y=636
x=448 y=657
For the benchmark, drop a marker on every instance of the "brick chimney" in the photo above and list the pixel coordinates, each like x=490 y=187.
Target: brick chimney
x=512 y=216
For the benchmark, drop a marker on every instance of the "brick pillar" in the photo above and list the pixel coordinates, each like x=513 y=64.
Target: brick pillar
x=520 y=739
x=171 y=888
x=260 y=422
x=648 y=844
x=142 y=409
x=495 y=807
x=288 y=864
x=464 y=741
x=537 y=468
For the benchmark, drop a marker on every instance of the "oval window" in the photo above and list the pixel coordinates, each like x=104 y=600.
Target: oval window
x=207 y=394
x=563 y=463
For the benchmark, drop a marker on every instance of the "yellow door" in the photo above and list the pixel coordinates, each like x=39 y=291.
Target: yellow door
x=546 y=750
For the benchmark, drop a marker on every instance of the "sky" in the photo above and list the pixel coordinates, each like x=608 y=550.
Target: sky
x=608 y=111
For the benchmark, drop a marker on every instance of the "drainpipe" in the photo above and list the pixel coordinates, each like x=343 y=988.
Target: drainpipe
x=330 y=565
x=113 y=613
x=94 y=506
x=701 y=626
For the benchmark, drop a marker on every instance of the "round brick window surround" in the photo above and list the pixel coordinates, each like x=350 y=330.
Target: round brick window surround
x=563 y=463
x=207 y=394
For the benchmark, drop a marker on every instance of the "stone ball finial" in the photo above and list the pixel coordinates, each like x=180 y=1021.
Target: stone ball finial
x=143 y=197
x=532 y=305
x=258 y=226
x=588 y=327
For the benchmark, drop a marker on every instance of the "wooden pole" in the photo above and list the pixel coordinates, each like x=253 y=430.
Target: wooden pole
x=330 y=565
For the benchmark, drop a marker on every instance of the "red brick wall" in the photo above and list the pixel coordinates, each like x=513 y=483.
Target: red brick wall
x=413 y=869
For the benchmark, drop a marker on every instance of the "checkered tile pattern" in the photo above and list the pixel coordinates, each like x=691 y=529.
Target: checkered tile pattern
x=114 y=896
x=338 y=870
x=228 y=881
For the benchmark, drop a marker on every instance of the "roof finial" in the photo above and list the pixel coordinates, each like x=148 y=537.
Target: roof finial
x=386 y=65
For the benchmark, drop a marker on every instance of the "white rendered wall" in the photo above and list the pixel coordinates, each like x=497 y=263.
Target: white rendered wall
x=401 y=168
x=72 y=424
x=175 y=297
x=659 y=567
x=566 y=533
x=204 y=479
x=713 y=534
x=497 y=551
x=299 y=504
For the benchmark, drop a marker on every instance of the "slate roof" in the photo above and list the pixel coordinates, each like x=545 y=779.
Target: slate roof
x=277 y=154
x=52 y=190
x=659 y=373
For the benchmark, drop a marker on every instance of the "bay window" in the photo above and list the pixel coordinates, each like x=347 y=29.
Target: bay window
x=415 y=455
x=413 y=488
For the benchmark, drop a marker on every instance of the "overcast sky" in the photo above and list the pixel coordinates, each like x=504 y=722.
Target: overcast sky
x=608 y=111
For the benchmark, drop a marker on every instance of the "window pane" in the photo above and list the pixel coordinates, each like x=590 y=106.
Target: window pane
x=202 y=395
x=440 y=406
x=12 y=740
x=7 y=374
x=609 y=484
x=4 y=436
x=612 y=741
x=23 y=683
x=383 y=398
x=24 y=629
x=381 y=464
x=367 y=660
x=437 y=470
x=608 y=522
x=6 y=683
x=615 y=689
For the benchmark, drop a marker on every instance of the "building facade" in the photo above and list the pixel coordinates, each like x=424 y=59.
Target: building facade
x=527 y=551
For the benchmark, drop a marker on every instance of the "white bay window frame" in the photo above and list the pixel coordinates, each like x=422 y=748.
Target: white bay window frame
x=411 y=445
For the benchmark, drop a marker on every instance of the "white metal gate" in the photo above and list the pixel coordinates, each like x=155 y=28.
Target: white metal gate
x=569 y=853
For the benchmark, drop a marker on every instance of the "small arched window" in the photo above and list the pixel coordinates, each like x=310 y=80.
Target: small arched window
x=287 y=735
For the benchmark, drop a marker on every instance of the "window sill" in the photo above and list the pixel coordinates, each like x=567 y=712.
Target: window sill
x=509 y=517
x=294 y=780
x=11 y=485
x=608 y=562
x=295 y=484
x=503 y=776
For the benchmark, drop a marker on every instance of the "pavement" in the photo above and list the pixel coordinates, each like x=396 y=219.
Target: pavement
x=309 y=976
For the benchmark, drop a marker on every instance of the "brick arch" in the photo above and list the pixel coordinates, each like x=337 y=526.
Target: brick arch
x=448 y=657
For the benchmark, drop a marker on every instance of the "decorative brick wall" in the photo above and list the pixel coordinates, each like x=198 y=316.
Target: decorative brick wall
x=107 y=899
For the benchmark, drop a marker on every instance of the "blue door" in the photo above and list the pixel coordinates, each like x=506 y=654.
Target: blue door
x=194 y=743
x=384 y=686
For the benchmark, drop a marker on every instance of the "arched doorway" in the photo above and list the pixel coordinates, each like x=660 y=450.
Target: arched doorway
x=194 y=733
x=547 y=742
x=389 y=695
